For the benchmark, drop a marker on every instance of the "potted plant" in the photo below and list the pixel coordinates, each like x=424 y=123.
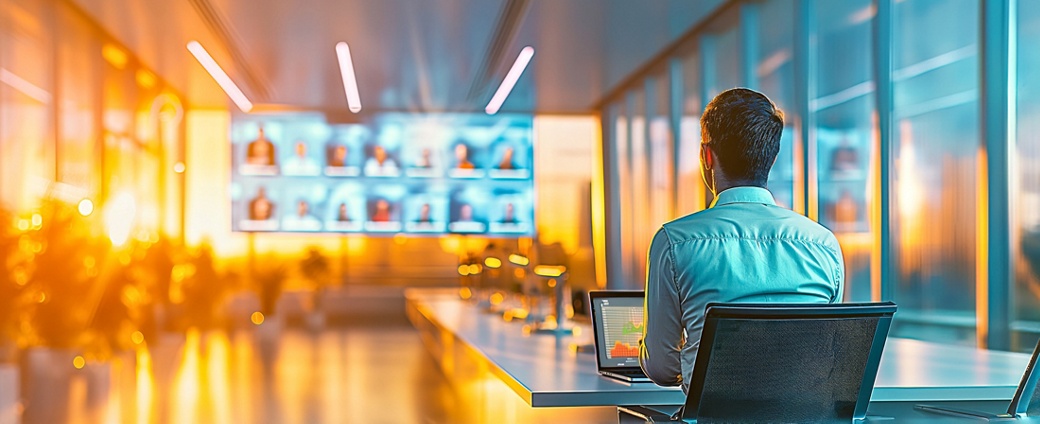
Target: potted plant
x=67 y=262
x=315 y=269
x=269 y=280
x=13 y=305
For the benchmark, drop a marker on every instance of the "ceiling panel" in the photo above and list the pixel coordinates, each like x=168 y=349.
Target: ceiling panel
x=408 y=54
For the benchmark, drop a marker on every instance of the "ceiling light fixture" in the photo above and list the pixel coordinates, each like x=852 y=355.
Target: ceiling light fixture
x=511 y=77
x=346 y=69
x=25 y=87
x=220 y=76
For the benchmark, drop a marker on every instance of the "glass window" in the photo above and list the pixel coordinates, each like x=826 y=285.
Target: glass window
x=660 y=137
x=624 y=190
x=26 y=103
x=936 y=145
x=78 y=62
x=721 y=49
x=1025 y=184
x=690 y=185
x=843 y=138
x=774 y=70
x=641 y=229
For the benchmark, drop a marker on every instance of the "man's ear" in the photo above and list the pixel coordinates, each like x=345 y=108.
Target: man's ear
x=707 y=157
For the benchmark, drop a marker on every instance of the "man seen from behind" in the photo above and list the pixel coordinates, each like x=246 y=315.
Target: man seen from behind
x=743 y=248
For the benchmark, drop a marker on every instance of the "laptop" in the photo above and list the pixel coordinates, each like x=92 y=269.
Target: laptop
x=1024 y=402
x=617 y=326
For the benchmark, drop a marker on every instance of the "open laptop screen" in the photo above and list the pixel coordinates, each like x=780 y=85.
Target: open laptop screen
x=618 y=318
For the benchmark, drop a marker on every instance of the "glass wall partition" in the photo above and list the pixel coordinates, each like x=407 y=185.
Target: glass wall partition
x=1025 y=182
x=640 y=229
x=769 y=27
x=936 y=148
x=842 y=101
x=935 y=188
x=76 y=117
x=26 y=102
x=659 y=131
x=690 y=191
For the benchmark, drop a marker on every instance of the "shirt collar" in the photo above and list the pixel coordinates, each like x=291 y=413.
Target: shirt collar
x=744 y=194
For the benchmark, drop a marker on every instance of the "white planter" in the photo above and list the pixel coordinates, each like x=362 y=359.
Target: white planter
x=49 y=393
x=9 y=406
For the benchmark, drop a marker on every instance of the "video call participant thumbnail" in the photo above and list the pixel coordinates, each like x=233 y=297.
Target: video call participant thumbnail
x=465 y=221
x=381 y=164
x=260 y=207
x=382 y=216
x=337 y=162
x=337 y=156
x=260 y=212
x=260 y=151
x=300 y=163
x=302 y=220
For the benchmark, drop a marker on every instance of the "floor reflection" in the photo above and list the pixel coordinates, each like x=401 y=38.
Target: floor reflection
x=350 y=373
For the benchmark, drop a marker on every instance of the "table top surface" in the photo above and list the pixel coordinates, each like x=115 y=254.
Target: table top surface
x=547 y=370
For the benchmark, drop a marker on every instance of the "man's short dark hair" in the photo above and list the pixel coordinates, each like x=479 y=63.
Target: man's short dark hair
x=743 y=128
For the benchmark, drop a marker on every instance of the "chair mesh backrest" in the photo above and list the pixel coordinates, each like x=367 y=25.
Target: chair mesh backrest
x=1033 y=409
x=786 y=370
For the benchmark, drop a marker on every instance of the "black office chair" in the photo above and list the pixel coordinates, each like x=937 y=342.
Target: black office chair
x=784 y=363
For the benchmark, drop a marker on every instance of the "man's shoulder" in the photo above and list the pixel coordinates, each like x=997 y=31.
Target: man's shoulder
x=769 y=222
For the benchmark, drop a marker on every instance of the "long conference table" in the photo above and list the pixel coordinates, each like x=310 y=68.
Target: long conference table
x=548 y=371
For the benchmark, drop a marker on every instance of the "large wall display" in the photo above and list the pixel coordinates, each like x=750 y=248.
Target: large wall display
x=397 y=173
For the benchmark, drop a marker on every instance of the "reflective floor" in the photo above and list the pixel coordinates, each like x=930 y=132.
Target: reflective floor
x=371 y=373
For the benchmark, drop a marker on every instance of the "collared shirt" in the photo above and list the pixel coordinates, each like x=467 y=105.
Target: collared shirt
x=744 y=248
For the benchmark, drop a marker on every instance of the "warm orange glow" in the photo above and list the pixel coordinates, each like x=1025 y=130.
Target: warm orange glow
x=145 y=79
x=519 y=273
x=257 y=318
x=493 y=263
x=179 y=167
x=520 y=260
x=145 y=386
x=874 y=191
x=465 y=293
x=23 y=225
x=187 y=386
x=137 y=337
x=474 y=269
x=218 y=349
x=119 y=217
x=497 y=298
x=982 y=253
x=400 y=239
x=550 y=270
x=115 y=56
x=464 y=270
x=552 y=282
x=85 y=207
x=517 y=313
x=79 y=362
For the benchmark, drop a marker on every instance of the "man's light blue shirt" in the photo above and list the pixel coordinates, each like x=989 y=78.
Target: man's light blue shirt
x=744 y=248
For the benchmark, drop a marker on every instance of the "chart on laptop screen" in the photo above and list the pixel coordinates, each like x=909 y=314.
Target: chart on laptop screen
x=622 y=328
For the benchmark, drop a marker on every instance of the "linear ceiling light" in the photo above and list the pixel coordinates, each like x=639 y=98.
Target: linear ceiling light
x=25 y=87
x=346 y=69
x=220 y=76
x=511 y=77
